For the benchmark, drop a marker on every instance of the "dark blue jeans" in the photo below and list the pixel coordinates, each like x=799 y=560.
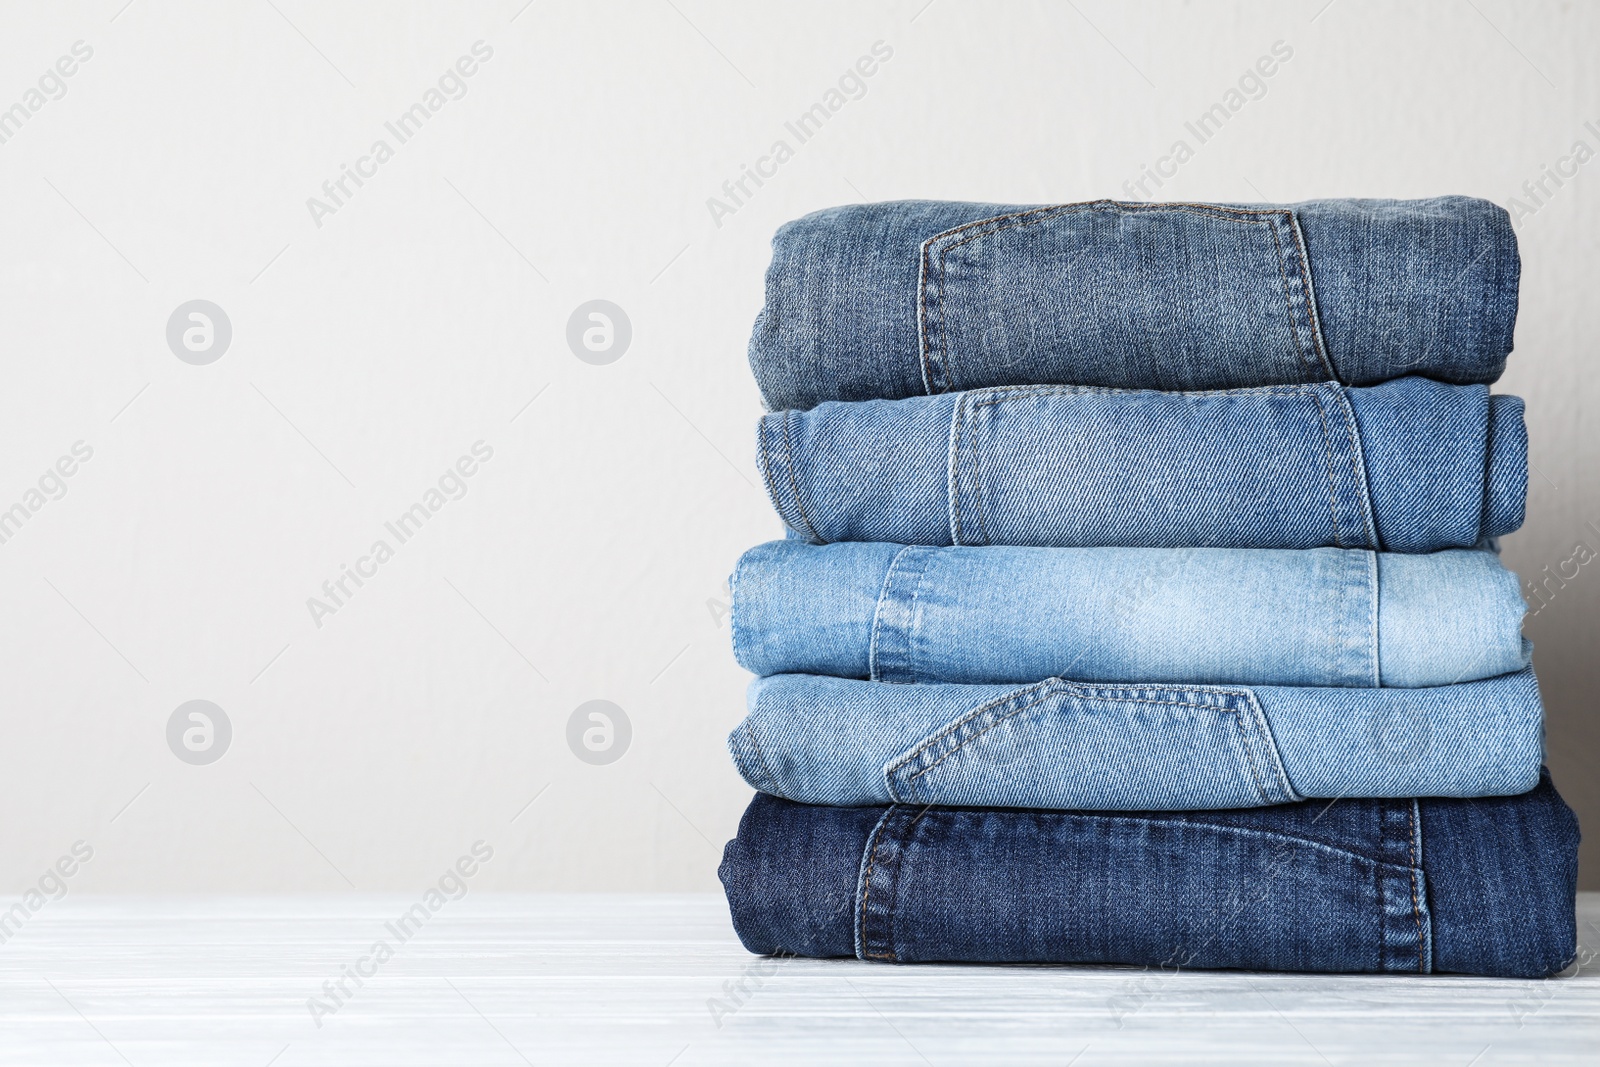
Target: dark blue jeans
x=921 y=297
x=1483 y=886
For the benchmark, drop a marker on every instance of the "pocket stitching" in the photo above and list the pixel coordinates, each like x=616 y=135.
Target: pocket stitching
x=1230 y=708
x=1014 y=220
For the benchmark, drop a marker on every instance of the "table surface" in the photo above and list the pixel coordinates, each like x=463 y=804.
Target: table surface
x=657 y=980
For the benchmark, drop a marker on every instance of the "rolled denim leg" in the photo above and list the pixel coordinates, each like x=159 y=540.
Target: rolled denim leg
x=790 y=877
x=1057 y=744
x=1471 y=886
x=1502 y=877
x=1405 y=466
x=907 y=298
x=998 y=614
x=1432 y=452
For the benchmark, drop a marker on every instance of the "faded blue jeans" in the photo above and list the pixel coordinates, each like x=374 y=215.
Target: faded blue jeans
x=1312 y=617
x=1408 y=466
x=1482 y=886
x=1134 y=746
x=884 y=301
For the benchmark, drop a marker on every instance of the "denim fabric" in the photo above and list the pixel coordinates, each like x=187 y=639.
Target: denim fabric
x=1060 y=744
x=1483 y=886
x=1408 y=466
x=1312 y=617
x=885 y=301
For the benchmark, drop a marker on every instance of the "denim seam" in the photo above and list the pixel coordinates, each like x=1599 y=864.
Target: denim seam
x=962 y=720
x=922 y=326
x=1013 y=220
x=1243 y=831
x=764 y=456
x=1311 y=299
x=1422 y=881
x=761 y=757
x=764 y=461
x=903 y=760
x=953 y=468
x=1269 y=751
x=926 y=353
x=894 y=893
x=1424 y=962
x=885 y=594
x=733 y=604
x=879 y=835
x=1003 y=393
x=1373 y=592
x=979 y=509
x=1288 y=300
x=865 y=879
x=1333 y=485
x=958 y=429
x=877 y=614
x=1488 y=467
x=1358 y=465
x=794 y=486
x=1242 y=737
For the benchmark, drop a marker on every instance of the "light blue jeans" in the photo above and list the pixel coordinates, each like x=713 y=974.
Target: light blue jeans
x=1313 y=617
x=1059 y=744
x=1407 y=466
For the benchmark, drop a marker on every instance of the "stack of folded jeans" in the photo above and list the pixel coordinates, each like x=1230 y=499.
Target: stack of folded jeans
x=1141 y=602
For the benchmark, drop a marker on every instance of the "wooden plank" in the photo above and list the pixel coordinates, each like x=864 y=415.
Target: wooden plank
x=500 y=979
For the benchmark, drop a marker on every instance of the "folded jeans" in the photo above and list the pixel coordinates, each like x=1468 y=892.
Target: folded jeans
x=1412 y=465
x=885 y=301
x=1482 y=886
x=1062 y=744
x=1311 y=617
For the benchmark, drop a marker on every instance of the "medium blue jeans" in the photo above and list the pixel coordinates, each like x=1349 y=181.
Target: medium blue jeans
x=1408 y=466
x=1060 y=744
x=904 y=299
x=1312 y=617
x=1482 y=886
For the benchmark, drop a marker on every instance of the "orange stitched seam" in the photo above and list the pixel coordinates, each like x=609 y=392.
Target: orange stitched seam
x=866 y=890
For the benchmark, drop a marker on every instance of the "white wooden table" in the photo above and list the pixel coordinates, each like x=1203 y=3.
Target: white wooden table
x=618 y=979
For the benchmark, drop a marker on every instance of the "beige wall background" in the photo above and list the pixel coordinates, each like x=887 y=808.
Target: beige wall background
x=376 y=341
